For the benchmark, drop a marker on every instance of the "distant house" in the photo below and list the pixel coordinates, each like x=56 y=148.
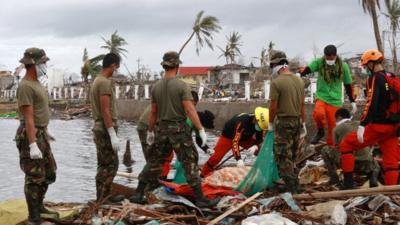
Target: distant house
x=6 y=80
x=230 y=75
x=194 y=75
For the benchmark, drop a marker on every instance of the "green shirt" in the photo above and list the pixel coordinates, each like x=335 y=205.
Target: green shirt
x=32 y=93
x=288 y=91
x=342 y=130
x=330 y=93
x=168 y=95
x=102 y=86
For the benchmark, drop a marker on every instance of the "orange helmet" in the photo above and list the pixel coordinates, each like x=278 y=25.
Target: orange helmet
x=371 y=55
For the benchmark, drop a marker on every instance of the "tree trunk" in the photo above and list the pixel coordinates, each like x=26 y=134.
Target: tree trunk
x=376 y=30
x=184 y=45
x=394 y=52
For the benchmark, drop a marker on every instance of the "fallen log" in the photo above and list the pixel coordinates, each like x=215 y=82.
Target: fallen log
x=127 y=175
x=349 y=193
x=227 y=213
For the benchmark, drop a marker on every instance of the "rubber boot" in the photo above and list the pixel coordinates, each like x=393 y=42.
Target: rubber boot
x=34 y=211
x=320 y=134
x=348 y=182
x=138 y=197
x=42 y=209
x=373 y=178
x=294 y=187
x=333 y=178
x=201 y=200
x=116 y=198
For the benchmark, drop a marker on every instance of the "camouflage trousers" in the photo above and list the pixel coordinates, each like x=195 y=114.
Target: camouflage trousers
x=143 y=141
x=39 y=173
x=107 y=161
x=168 y=136
x=287 y=135
x=332 y=159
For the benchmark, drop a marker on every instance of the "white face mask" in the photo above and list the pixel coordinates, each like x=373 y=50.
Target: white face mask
x=115 y=73
x=41 y=70
x=275 y=70
x=331 y=62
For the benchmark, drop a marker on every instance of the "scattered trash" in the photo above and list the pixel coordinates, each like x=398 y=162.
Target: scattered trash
x=268 y=219
x=229 y=177
x=332 y=211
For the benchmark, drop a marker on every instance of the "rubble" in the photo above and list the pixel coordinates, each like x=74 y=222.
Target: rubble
x=83 y=111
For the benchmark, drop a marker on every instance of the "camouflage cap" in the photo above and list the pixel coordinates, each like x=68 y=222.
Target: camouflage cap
x=171 y=59
x=277 y=57
x=34 y=56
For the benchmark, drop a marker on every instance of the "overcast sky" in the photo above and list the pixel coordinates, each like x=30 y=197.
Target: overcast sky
x=151 y=27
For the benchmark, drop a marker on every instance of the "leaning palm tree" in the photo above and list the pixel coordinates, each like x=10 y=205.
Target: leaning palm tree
x=204 y=29
x=370 y=6
x=115 y=44
x=393 y=14
x=90 y=66
x=225 y=52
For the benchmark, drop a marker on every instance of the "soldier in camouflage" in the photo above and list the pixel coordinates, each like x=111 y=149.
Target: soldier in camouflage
x=286 y=113
x=32 y=139
x=365 y=163
x=168 y=130
x=105 y=129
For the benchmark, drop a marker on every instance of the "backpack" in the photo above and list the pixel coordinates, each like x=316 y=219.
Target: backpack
x=393 y=112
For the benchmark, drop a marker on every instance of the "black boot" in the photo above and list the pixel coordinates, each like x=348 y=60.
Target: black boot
x=34 y=211
x=348 y=182
x=293 y=187
x=201 y=200
x=333 y=178
x=373 y=178
x=42 y=209
x=320 y=134
x=116 y=198
x=138 y=197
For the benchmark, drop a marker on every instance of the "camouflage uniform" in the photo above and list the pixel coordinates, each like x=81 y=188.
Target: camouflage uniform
x=363 y=165
x=287 y=90
x=177 y=136
x=287 y=135
x=39 y=173
x=107 y=160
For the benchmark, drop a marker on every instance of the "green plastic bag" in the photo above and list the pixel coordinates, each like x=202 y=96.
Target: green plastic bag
x=179 y=174
x=264 y=171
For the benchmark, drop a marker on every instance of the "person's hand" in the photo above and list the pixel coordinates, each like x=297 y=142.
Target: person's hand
x=353 y=108
x=35 y=152
x=270 y=127
x=360 y=134
x=303 y=131
x=240 y=163
x=203 y=136
x=115 y=143
x=150 y=137
x=253 y=149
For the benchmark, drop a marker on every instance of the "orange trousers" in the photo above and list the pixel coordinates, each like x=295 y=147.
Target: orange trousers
x=324 y=114
x=222 y=147
x=385 y=136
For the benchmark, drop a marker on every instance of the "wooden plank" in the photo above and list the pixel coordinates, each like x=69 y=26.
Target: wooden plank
x=230 y=211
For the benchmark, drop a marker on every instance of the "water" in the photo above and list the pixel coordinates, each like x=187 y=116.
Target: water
x=75 y=153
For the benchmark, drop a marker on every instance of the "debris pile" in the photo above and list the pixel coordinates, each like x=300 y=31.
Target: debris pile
x=83 y=111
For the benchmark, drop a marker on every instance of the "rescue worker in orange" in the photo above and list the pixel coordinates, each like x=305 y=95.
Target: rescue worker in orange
x=243 y=130
x=376 y=125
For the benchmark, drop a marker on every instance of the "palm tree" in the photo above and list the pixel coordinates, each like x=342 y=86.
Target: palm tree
x=393 y=14
x=234 y=44
x=90 y=66
x=369 y=6
x=115 y=44
x=225 y=53
x=204 y=29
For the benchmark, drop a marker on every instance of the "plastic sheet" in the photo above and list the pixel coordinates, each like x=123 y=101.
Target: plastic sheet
x=264 y=171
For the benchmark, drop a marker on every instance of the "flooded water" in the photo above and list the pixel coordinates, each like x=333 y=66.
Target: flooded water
x=75 y=153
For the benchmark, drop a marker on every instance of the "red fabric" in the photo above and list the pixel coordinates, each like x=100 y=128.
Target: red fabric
x=167 y=165
x=209 y=191
x=221 y=148
x=385 y=136
x=325 y=114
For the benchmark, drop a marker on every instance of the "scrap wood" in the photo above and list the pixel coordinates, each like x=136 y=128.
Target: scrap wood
x=127 y=175
x=349 y=193
x=158 y=215
x=227 y=213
